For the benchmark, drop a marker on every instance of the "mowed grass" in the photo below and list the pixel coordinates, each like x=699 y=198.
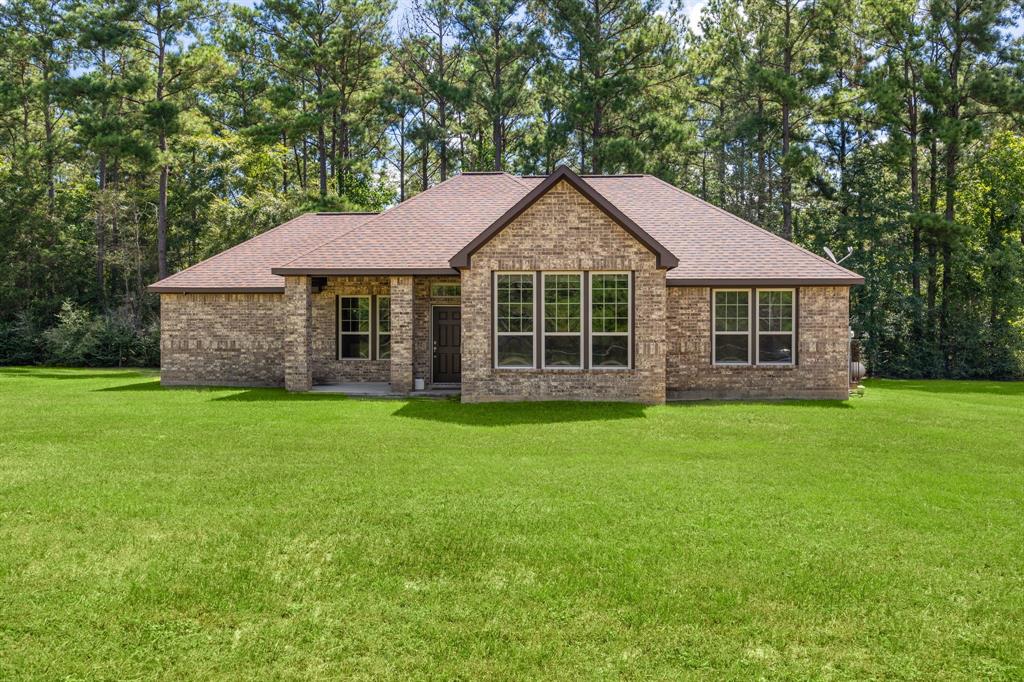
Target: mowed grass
x=240 y=534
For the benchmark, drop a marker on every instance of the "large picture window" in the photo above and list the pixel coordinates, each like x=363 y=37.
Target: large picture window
x=610 y=303
x=383 y=327
x=731 y=312
x=563 y=330
x=514 y=320
x=354 y=327
x=775 y=329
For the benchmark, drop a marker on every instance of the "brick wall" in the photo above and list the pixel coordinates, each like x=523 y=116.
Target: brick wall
x=821 y=370
x=327 y=368
x=222 y=339
x=564 y=231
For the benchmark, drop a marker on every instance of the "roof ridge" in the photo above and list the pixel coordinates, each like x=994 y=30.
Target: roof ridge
x=228 y=250
x=838 y=267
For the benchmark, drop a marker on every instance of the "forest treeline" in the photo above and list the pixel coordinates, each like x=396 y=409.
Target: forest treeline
x=139 y=136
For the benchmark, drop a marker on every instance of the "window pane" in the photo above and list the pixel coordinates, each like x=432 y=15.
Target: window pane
x=732 y=312
x=355 y=314
x=562 y=351
x=515 y=303
x=445 y=289
x=355 y=346
x=775 y=348
x=610 y=351
x=732 y=348
x=384 y=315
x=775 y=311
x=562 y=302
x=384 y=349
x=515 y=351
x=609 y=306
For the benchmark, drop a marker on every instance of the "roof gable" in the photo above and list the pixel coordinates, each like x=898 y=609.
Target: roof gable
x=665 y=259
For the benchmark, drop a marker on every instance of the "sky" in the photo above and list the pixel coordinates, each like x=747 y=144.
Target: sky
x=692 y=8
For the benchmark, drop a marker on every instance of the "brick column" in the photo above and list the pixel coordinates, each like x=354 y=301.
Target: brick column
x=401 y=334
x=298 y=334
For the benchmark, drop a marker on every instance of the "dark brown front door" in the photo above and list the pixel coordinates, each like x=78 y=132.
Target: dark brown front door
x=447 y=345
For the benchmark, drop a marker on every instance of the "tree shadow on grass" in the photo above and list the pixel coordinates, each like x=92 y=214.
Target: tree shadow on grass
x=951 y=387
x=137 y=386
x=54 y=373
x=780 y=402
x=510 y=414
x=258 y=395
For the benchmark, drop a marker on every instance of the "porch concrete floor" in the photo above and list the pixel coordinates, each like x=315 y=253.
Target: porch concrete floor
x=383 y=390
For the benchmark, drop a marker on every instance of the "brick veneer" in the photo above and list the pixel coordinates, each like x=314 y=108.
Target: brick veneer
x=564 y=231
x=298 y=334
x=327 y=367
x=401 y=334
x=821 y=370
x=222 y=339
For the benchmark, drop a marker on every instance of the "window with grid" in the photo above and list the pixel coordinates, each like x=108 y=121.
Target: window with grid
x=732 y=327
x=609 y=319
x=383 y=327
x=775 y=329
x=563 y=331
x=513 y=327
x=354 y=327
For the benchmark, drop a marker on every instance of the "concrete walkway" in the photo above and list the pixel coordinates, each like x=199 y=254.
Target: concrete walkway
x=375 y=389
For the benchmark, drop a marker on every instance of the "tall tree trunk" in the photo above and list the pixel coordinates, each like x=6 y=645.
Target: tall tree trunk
x=915 y=189
x=787 y=180
x=101 y=231
x=762 y=200
x=321 y=137
x=284 y=164
x=161 y=209
x=933 y=208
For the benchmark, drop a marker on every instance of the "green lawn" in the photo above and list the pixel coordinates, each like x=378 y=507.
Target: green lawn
x=231 y=534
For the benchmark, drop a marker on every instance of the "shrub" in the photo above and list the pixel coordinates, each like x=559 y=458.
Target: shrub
x=113 y=340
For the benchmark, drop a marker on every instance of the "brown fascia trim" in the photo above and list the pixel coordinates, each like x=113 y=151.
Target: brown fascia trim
x=665 y=258
x=765 y=282
x=363 y=271
x=213 y=290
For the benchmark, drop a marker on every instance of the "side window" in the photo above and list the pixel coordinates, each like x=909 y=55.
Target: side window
x=383 y=327
x=775 y=327
x=513 y=328
x=731 y=313
x=610 y=319
x=354 y=327
x=563 y=331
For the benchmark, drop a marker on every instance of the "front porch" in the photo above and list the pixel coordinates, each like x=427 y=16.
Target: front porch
x=372 y=335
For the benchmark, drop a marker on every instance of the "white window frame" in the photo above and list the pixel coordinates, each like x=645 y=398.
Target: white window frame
x=375 y=321
x=494 y=313
x=543 y=318
x=342 y=333
x=590 y=322
x=791 y=333
x=751 y=299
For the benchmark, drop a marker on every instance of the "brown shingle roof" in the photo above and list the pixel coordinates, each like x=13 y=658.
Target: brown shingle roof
x=246 y=267
x=713 y=246
x=420 y=235
x=428 y=233
x=425 y=234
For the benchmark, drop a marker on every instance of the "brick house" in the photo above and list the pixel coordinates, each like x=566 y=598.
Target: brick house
x=518 y=288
